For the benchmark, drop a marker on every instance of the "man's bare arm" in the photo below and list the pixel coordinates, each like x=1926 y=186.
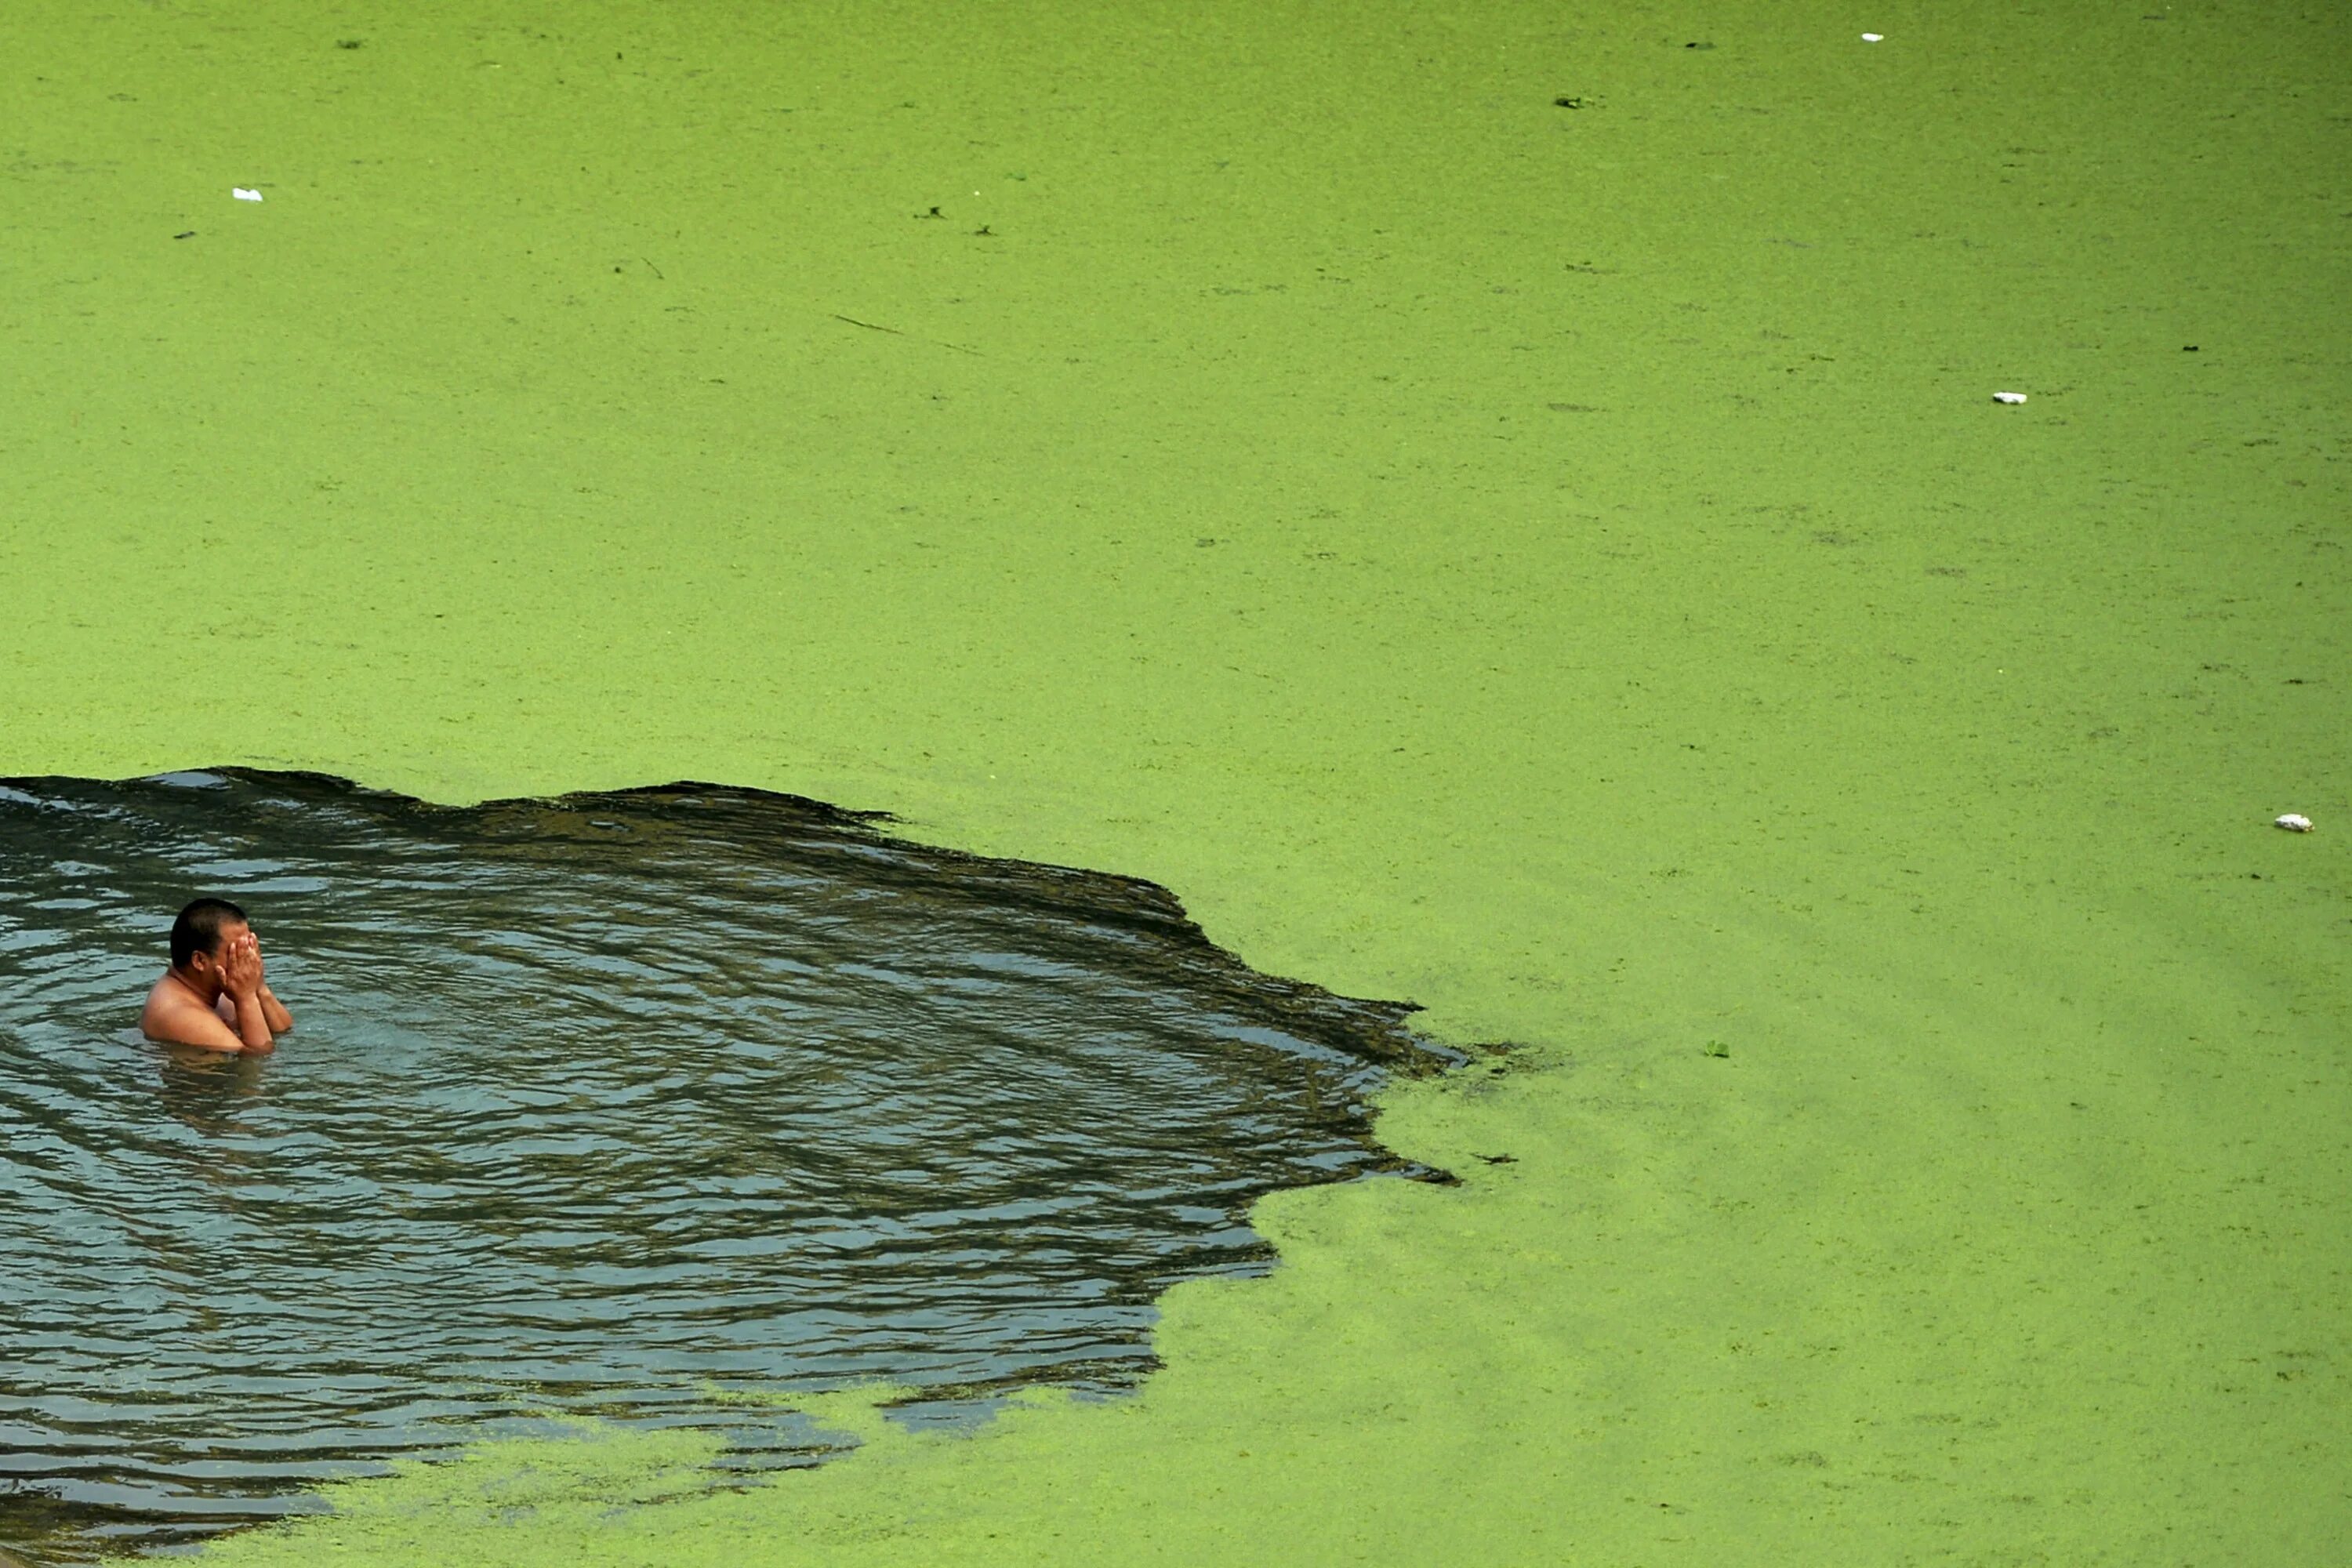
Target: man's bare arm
x=184 y=1021
x=273 y=1011
x=241 y=971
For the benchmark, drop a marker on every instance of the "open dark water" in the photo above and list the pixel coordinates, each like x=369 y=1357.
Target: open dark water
x=596 y=1106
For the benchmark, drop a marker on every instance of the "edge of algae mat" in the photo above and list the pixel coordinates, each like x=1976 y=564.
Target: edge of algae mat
x=1558 y=564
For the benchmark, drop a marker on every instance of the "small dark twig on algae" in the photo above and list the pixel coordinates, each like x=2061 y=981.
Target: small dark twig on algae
x=878 y=327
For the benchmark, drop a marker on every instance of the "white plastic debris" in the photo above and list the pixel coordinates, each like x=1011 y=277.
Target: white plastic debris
x=2296 y=822
x=243 y=194
x=1872 y=37
x=2009 y=397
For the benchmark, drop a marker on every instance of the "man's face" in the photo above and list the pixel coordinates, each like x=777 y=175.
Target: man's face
x=209 y=964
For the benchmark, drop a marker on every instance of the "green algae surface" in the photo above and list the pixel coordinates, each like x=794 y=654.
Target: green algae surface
x=1558 y=561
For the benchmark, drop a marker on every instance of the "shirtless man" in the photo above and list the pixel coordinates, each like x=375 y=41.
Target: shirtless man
x=214 y=996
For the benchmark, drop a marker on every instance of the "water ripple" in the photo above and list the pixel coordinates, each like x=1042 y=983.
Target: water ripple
x=598 y=1105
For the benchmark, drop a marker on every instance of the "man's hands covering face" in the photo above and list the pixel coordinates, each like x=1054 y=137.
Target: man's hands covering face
x=240 y=962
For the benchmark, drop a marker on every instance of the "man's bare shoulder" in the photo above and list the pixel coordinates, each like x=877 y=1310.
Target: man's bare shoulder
x=177 y=1015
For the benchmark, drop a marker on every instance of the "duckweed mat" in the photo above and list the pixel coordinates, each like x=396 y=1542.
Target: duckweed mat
x=1501 y=504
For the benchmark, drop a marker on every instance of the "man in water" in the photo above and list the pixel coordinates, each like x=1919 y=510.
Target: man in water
x=214 y=995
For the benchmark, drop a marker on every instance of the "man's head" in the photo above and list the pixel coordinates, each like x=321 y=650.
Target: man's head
x=201 y=929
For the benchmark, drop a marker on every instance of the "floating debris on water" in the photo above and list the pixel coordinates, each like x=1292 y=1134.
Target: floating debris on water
x=2009 y=397
x=2293 y=822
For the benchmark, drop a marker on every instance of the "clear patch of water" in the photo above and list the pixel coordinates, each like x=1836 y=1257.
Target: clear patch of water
x=611 y=1105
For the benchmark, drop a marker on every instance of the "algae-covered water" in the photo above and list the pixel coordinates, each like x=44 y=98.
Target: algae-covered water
x=650 y=1106
x=1558 y=561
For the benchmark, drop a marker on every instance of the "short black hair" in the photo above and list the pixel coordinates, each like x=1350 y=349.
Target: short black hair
x=198 y=929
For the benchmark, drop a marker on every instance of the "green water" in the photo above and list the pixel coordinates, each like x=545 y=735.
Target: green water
x=1625 y=621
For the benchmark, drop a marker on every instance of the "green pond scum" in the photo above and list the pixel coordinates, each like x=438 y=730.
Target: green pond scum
x=1561 y=561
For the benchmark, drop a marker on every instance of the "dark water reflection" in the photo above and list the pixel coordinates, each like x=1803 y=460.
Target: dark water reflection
x=596 y=1106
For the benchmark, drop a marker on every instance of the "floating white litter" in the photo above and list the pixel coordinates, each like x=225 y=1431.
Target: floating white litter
x=2009 y=397
x=241 y=194
x=1872 y=37
x=2296 y=822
